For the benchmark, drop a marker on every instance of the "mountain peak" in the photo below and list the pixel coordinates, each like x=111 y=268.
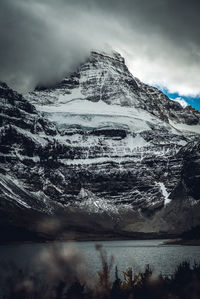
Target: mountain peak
x=109 y=55
x=105 y=78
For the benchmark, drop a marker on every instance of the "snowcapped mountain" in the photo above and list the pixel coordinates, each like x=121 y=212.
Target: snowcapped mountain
x=102 y=145
x=103 y=87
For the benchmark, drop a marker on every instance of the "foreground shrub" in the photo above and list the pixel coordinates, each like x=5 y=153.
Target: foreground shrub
x=65 y=277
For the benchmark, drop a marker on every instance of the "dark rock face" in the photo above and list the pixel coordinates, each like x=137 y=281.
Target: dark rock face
x=16 y=111
x=191 y=169
x=160 y=105
x=100 y=149
x=21 y=128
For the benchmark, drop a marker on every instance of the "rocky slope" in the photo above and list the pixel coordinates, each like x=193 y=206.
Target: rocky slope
x=101 y=151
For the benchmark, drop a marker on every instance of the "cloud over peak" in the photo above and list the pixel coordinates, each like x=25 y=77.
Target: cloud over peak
x=43 y=40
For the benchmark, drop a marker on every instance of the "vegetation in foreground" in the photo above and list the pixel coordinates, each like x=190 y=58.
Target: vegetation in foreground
x=64 y=275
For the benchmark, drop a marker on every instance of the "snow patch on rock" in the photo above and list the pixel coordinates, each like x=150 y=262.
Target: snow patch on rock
x=164 y=193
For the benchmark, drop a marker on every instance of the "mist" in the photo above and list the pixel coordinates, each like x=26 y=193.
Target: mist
x=43 y=41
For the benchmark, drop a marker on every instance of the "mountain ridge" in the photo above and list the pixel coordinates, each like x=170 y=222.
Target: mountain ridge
x=102 y=148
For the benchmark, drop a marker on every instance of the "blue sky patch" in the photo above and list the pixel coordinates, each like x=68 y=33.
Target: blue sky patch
x=193 y=101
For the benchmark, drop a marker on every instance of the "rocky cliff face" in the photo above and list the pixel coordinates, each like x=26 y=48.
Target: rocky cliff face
x=104 y=148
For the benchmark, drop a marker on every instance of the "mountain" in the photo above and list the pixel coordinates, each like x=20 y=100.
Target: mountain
x=99 y=151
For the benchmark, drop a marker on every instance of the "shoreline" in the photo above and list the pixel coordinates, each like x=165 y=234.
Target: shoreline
x=166 y=241
x=19 y=237
x=16 y=242
x=195 y=242
x=82 y=236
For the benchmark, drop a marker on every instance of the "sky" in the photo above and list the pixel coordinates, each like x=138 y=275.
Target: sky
x=183 y=100
x=43 y=40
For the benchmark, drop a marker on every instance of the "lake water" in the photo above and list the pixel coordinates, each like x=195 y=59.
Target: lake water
x=162 y=258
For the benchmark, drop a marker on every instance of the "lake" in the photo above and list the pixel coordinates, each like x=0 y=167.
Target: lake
x=134 y=253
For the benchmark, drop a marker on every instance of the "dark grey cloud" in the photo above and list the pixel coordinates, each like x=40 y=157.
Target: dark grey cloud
x=42 y=40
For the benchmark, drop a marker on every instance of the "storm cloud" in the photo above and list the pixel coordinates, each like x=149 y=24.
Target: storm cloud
x=41 y=41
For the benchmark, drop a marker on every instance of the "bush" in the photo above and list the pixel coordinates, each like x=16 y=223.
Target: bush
x=66 y=278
